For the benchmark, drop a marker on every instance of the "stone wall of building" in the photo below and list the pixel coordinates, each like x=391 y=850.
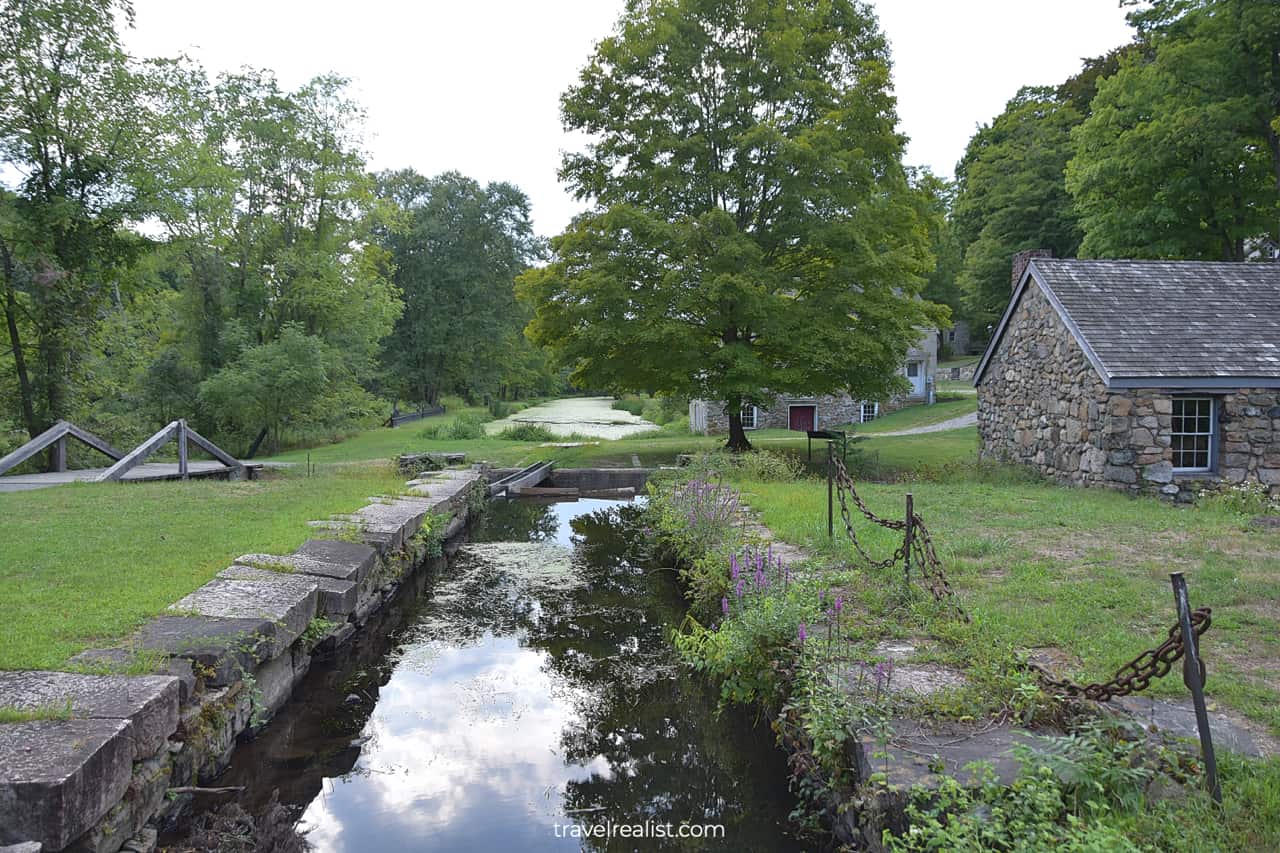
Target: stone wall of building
x=1041 y=403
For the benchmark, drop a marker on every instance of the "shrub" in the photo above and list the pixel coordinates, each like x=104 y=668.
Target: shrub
x=1247 y=499
x=634 y=405
x=464 y=427
x=499 y=409
x=527 y=432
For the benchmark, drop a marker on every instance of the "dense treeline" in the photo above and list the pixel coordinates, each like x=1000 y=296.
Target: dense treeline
x=173 y=245
x=1165 y=148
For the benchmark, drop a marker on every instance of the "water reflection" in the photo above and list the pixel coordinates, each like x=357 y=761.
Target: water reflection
x=533 y=689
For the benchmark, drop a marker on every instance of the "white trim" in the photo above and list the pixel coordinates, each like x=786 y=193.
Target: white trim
x=862 y=412
x=755 y=417
x=1212 y=450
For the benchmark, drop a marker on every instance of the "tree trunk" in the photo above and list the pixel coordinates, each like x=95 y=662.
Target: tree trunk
x=737 y=435
x=15 y=341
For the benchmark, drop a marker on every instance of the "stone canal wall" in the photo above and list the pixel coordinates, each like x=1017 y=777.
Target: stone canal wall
x=104 y=758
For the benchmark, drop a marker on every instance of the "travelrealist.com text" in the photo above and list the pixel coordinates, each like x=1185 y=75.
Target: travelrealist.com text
x=648 y=829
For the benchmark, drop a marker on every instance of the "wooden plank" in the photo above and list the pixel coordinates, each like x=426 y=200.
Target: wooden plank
x=60 y=454
x=183 y=469
x=34 y=446
x=530 y=476
x=214 y=450
x=88 y=438
x=543 y=491
x=138 y=454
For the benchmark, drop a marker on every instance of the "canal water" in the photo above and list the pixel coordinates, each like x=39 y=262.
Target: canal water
x=523 y=696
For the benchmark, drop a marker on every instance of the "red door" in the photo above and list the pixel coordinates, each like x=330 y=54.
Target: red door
x=801 y=418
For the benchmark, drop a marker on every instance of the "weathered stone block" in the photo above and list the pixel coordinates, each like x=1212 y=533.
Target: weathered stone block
x=1124 y=456
x=221 y=649
x=335 y=597
x=274 y=682
x=1119 y=474
x=1269 y=476
x=59 y=777
x=348 y=561
x=148 y=703
x=142 y=799
x=290 y=607
x=1160 y=472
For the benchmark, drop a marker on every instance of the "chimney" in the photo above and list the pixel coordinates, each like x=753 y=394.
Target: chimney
x=1023 y=258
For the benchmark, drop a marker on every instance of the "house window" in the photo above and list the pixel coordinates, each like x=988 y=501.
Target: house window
x=870 y=411
x=1192 y=434
x=750 y=417
x=951 y=336
x=913 y=369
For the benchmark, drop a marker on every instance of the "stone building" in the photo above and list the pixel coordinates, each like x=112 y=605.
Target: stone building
x=1146 y=376
x=804 y=413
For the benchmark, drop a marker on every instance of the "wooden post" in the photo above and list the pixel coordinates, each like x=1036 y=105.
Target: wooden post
x=183 y=462
x=907 y=538
x=59 y=454
x=1191 y=675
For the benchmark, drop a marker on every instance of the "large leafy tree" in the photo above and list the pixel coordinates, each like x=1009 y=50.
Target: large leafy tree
x=752 y=226
x=1011 y=191
x=71 y=131
x=1181 y=157
x=457 y=252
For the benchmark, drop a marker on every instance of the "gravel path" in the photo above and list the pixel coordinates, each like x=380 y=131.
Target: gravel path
x=955 y=423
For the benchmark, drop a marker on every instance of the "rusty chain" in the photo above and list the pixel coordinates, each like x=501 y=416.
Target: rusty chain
x=1136 y=675
x=935 y=580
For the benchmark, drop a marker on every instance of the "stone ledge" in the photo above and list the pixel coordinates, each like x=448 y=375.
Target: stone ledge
x=223 y=648
x=334 y=597
x=147 y=703
x=59 y=777
x=290 y=607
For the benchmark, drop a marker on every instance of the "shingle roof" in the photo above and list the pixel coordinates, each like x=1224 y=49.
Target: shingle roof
x=1176 y=320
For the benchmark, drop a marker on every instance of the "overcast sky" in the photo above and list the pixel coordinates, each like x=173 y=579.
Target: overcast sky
x=474 y=86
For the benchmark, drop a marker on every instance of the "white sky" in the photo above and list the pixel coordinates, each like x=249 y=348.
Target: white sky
x=474 y=86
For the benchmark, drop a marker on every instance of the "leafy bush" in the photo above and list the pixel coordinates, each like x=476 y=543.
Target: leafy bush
x=464 y=427
x=634 y=405
x=1248 y=499
x=1065 y=798
x=499 y=409
x=527 y=432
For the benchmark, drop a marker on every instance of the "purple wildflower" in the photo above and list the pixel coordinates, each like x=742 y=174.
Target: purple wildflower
x=839 y=603
x=724 y=605
x=738 y=590
x=733 y=567
x=803 y=633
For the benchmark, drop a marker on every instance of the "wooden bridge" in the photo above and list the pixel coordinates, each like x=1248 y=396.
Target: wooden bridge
x=128 y=467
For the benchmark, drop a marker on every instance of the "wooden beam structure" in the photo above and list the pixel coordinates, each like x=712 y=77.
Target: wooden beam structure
x=179 y=431
x=56 y=437
x=530 y=476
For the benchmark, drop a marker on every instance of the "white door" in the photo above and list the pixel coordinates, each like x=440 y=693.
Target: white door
x=915 y=373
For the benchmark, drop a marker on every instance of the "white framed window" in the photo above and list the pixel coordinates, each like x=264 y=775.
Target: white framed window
x=750 y=417
x=913 y=369
x=870 y=411
x=1192 y=433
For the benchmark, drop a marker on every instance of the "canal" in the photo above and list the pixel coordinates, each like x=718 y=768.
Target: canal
x=522 y=695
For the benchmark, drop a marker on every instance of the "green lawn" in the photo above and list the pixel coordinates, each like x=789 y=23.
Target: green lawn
x=85 y=564
x=1082 y=571
x=917 y=416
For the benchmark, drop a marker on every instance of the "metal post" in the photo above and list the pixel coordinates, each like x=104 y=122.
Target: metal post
x=907 y=537
x=1191 y=675
x=183 y=466
x=830 y=479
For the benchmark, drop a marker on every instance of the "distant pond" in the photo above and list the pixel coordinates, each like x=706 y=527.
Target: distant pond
x=578 y=415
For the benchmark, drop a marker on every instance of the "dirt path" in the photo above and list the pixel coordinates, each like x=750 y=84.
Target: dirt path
x=955 y=423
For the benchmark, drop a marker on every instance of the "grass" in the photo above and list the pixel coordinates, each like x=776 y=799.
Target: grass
x=917 y=416
x=85 y=564
x=1085 y=572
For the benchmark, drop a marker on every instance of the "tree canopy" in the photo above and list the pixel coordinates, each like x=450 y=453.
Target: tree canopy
x=752 y=229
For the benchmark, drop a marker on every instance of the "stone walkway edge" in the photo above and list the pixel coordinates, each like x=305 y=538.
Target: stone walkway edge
x=89 y=771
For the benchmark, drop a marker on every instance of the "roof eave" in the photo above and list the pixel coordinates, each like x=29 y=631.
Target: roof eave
x=1193 y=383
